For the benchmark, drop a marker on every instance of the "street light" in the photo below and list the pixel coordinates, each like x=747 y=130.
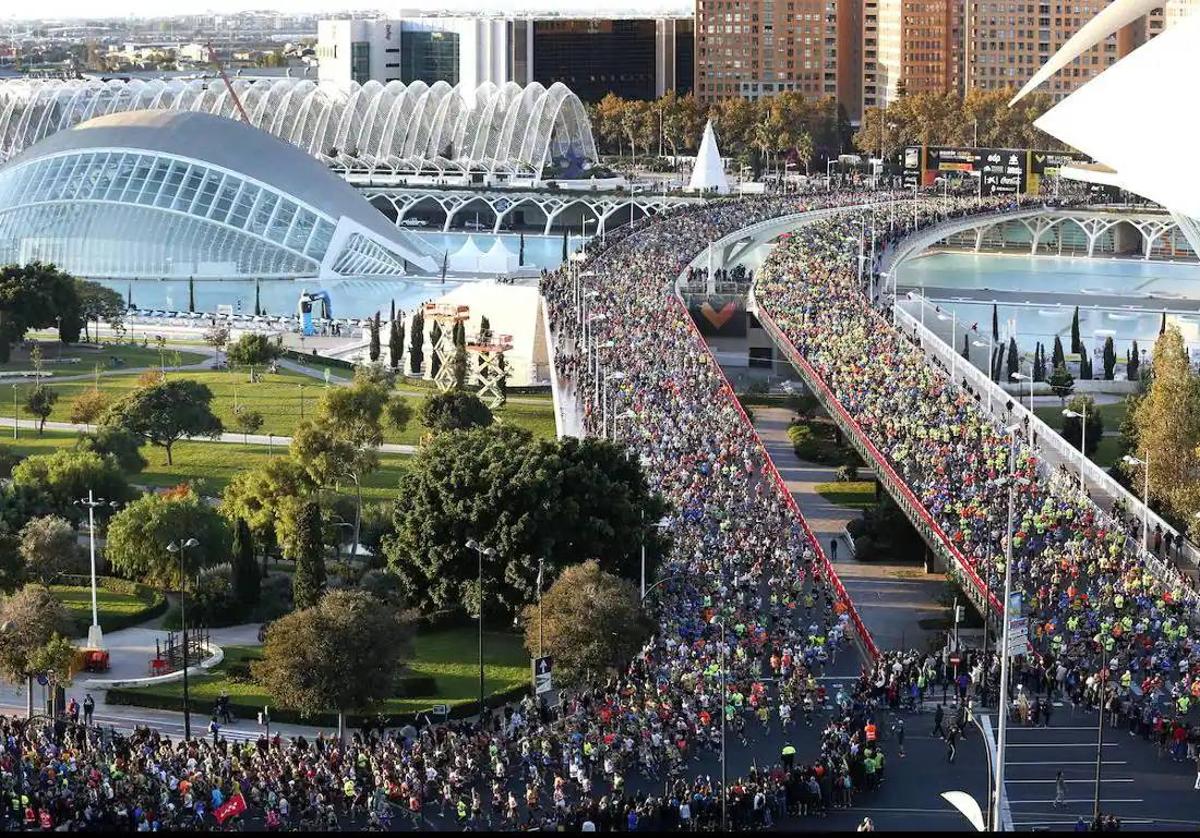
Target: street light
x=95 y=635
x=1145 y=464
x=181 y=547
x=991 y=345
x=953 y=318
x=482 y=551
x=610 y=377
x=16 y=416
x=1020 y=376
x=1071 y=414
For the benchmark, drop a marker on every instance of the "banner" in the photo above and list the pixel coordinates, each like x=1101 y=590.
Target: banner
x=719 y=316
x=231 y=808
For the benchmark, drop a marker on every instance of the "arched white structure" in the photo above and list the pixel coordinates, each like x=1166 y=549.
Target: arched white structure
x=394 y=129
x=159 y=193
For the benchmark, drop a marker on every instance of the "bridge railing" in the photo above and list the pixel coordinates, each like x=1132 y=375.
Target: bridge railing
x=958 y=566
x=1046 y=438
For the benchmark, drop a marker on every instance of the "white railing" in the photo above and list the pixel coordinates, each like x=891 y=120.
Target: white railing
x=1043 y=437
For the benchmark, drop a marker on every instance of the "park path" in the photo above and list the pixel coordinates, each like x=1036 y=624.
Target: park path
x=891 y=597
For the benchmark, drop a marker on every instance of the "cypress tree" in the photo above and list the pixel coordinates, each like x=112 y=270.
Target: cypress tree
x=995 y=324
x=373 y=349
x=1110 y=358
x=1133 y=362
x=396 y=343
x=1085 y=364
x=308 y=582
x=246 y=581
x=435 y=336
x=416 y=343
x=1058 y=358
x=1162 y=327
x=460 y=368
x=966 y=350
x=1013 y=357
x=191 y=294
x=460 y=333
x=1076 y=343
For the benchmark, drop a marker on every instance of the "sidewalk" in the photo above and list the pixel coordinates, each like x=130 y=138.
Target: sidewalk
x=893 y=597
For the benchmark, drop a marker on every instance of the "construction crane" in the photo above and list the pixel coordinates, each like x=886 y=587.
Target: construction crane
x=237 y=102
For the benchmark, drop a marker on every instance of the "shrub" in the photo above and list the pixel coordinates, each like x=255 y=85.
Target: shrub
x=847 y=473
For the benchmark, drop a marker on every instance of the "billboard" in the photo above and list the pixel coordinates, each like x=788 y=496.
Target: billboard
x=719 y=316
x=1002 y=171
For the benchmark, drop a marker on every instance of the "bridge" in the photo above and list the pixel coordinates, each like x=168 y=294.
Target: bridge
x=566 y=208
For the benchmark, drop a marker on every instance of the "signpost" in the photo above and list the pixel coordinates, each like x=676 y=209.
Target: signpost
x=1018 y=628
x=543 y=675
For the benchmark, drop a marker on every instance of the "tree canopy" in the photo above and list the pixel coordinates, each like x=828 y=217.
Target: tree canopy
x=557 y=500
x=590 y=621
x=344 y=653
x=454 y=410
x=164 y=412
x=34 y=618
x=138 y=537
x=1167 y=419
x=252 y=349
x=37 y=296
x=49 y=548
x=65 y=476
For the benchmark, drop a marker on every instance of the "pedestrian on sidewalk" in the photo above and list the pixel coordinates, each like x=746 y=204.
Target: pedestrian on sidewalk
x=899 y=731
x=833 y=549
x=1060 y=790
x=89 y=707
x=939 y=715
x=952 y=745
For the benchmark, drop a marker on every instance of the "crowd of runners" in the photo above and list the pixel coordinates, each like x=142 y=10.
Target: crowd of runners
x=1103 y=614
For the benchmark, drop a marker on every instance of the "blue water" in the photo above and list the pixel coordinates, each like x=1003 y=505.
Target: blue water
x=352 y=297
x=1139 y=318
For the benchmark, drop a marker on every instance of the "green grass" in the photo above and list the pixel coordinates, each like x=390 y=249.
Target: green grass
x=114 y=610
x=449 y=656
x=1113 y=414
x=857 y=494
x=211 y=465
x=1108 y=451
x=89 y=357
x=283 y=399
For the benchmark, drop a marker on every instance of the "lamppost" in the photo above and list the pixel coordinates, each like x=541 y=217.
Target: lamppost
x=1144 y=462
x=1005 y=652
x=180 y=547
x=1082 y=417
x=482 y=551
x=991 y=347
x=1020 y=376
x=16 y=416
x=953 y=318
x=609 y=378
x=95 y=635
x=300 y=387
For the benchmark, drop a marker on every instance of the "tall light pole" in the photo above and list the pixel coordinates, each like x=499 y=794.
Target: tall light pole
x=1144 y=462
x=180 y=547
x=1082 y=417
x=95 y=635
x=481 y=551
x=1002 y=736
x=953 y=318
x=16 y=416
x=991 y=345
x=1020 y=376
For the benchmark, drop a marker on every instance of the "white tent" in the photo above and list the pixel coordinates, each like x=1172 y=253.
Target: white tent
x=499 y=259
x=709 y=173
x=468 y=258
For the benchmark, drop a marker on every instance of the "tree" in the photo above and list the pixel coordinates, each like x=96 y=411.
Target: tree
x=966 y=347
x=252 y=350
x=65 y=476
x=34 y=617
x=98 y=303
x=1110 y=359
x=560 y=501
x=1072 y=428
x=357 y=412
x=246 y=578
x=1085 y=363
x=460 y=368
x=308 y=582
x=395 y=343
x=435 y=337
x=88 y=406
x=259 y=496
x=247 y=421
x=118 y=444
x=217 y=336
x=1062 y=382
x=1168 y=424
x=1133 y=362
x=1058 y=358
x=1014 y=358
x=139 y=534
x=454 y=410
x=37 y=296
x=1076 y=343
x=343 y=653
x=1039 y=363
x=166 y=412
x=39 y=402
x=12 y=566
x=373 y=348
x=416 y=346
x=591 y=622
x=48 y=547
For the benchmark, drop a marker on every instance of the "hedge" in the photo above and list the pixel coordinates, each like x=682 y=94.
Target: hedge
x=133 y=697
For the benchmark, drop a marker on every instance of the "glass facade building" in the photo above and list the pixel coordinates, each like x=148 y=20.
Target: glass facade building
x=145 y=194
x=429 y=57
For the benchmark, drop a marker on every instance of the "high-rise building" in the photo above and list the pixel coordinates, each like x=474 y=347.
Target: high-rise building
x=755 y=48
x=910 y=46
x=636 y=57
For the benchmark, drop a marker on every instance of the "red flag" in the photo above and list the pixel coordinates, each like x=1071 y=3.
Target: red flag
x=231 y=808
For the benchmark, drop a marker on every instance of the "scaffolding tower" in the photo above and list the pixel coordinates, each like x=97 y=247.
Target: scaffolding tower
x=448 y=316
x=491 y=370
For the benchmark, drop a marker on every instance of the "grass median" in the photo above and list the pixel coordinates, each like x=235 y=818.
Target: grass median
x=855 y=494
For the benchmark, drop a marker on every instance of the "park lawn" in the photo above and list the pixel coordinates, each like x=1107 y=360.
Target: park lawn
x=114 y=610
x=1108 y=452
x=283 y=399
x=128 y=356
x=856 y=494
x=209 y=466
x=450 y=656
x=1113 y=414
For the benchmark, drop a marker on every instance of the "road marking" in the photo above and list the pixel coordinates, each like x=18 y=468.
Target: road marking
x=1058 y=744
x=1087 y=817
x=1091 y=781
x=1044 y=729
x=1050 y=802
x=1059 y=762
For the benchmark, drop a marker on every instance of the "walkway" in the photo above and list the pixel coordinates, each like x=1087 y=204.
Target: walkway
x=892 y=598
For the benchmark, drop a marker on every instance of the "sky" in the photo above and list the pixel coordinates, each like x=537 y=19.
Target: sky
x=90 y=8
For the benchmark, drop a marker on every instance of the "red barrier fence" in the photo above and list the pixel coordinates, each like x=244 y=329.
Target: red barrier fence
x=769 y=466
x=983 y=593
